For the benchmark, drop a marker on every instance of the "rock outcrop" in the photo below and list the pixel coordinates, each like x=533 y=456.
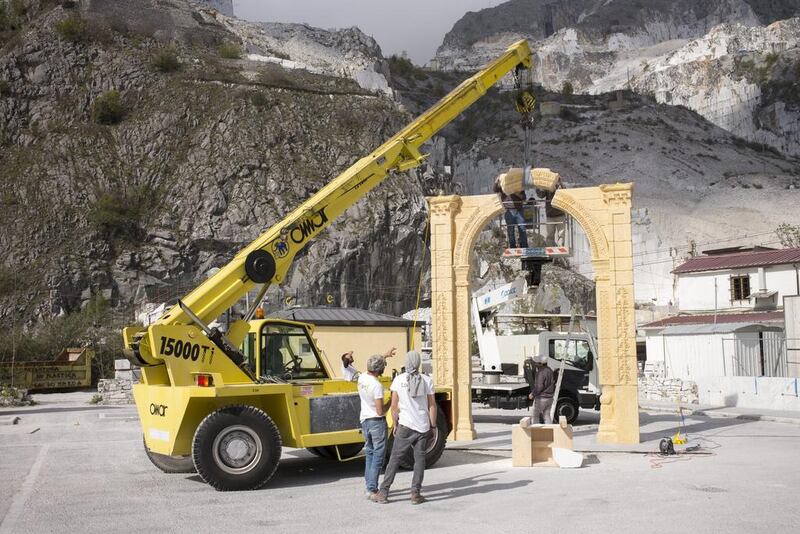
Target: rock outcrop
x=661 y=47
x=348 y=53
x=696 y=185
x=203 y=154
x=223 y=6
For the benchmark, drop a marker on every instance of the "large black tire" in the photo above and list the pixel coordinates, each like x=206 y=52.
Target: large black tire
x=434 y=448
x=236 y=448
x=170 y=464
x=568 y=407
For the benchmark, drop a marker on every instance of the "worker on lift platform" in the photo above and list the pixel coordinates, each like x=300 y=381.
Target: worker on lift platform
x=515 y=217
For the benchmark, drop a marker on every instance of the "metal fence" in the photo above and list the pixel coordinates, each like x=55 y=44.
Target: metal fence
x=760 y=354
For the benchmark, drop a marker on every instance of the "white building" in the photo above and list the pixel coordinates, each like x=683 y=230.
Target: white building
x=731 y=280
x=729 y=336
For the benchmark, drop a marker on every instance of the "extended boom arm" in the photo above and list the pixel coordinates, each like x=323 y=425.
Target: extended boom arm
x=267 y=259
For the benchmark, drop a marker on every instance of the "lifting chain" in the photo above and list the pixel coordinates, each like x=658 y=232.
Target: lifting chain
x=525 y=104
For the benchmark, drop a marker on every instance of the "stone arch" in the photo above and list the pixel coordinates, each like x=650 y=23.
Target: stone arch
x=604 y=214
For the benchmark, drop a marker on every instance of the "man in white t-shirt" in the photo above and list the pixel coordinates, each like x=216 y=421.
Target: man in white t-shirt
x=373 y=420
x=349 y=372
x=414 y=415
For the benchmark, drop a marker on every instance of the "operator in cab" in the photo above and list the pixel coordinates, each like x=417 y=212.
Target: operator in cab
x=349 y=371
x=373 y=420
x=542 y=390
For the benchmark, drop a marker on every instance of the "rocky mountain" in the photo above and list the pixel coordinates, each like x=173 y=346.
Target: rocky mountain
x=223 y=6
x=697 y=186
x=732 y=61
x=141 y=145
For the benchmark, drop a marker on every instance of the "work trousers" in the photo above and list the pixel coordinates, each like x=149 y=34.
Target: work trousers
x=515 y=222
x=541 y=410
x=405 y=439
x=374 y=431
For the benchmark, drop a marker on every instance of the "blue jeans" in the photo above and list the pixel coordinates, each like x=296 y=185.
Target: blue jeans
x=516 y=220
x=374 y=431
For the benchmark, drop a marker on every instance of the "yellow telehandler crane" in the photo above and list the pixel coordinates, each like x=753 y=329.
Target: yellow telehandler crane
x=225 y=404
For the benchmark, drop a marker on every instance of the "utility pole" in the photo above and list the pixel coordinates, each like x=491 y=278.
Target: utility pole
x=715 y=299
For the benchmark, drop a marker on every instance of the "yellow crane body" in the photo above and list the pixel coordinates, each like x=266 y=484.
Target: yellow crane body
x=208 y=397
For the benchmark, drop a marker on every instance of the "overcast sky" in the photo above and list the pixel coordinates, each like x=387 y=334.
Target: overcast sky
x=416 y=26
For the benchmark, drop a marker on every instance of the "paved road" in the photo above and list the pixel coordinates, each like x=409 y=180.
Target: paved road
x=70 y=467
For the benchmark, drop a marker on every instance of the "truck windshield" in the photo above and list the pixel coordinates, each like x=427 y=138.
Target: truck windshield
x=287 y=352
x=579 y=353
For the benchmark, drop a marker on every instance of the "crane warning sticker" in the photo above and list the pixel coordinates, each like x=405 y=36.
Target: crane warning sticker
x=160 y=435
x=306 y=391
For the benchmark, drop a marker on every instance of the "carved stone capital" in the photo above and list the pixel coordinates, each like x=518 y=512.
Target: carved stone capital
x=444 y=205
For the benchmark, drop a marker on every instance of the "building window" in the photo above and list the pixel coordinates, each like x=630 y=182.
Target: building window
x=740 y=287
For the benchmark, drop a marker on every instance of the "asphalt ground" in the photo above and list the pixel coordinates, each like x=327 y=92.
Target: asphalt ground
x=68 y=466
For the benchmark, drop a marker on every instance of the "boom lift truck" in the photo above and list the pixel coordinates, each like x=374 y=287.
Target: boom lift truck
x=507 y=369
x=228 y=405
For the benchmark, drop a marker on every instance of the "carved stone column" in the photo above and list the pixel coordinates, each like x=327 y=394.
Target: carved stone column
x=442 y=213
x=604 y=213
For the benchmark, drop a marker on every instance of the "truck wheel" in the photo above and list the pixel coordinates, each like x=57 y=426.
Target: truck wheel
x=170 y=464
x=567 y=407
x=435 y=446
x=236 y=448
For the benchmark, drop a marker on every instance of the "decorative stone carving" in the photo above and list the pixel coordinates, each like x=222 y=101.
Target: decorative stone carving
x=600 y=211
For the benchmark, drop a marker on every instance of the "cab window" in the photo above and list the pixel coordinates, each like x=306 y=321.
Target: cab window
x=286 y=352
x=249 y=350
x=578 y=354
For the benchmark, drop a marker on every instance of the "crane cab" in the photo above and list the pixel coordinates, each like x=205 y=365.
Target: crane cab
x=280 y=350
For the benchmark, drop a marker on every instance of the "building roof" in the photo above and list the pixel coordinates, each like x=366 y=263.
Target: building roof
x=756 y=258
x=751 y=318
x=719 y=328
x=329 y=316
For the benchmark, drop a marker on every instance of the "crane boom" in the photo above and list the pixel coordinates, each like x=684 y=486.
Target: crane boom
x=267 y=259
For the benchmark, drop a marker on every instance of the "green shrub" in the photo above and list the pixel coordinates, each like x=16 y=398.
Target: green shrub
x=72 y=29
x=118 y=215
x=18 y=8
x=5 y=88
x=788 y=235
x=279 y=55
x=401 y=66
x=259 y=99
x=96 y=399
x=230 y=50
x=90 y=327
x=166 y=59
x=9 y=280
x=771 y=59
x=5 y=20
x=567 y=88
x=108 y=108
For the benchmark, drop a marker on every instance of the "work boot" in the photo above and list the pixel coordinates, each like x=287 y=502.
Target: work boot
x=417 y=498
x=368 y=494
x=380 y=497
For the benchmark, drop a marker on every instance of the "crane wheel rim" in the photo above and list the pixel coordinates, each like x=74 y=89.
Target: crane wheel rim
x=237 y=449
